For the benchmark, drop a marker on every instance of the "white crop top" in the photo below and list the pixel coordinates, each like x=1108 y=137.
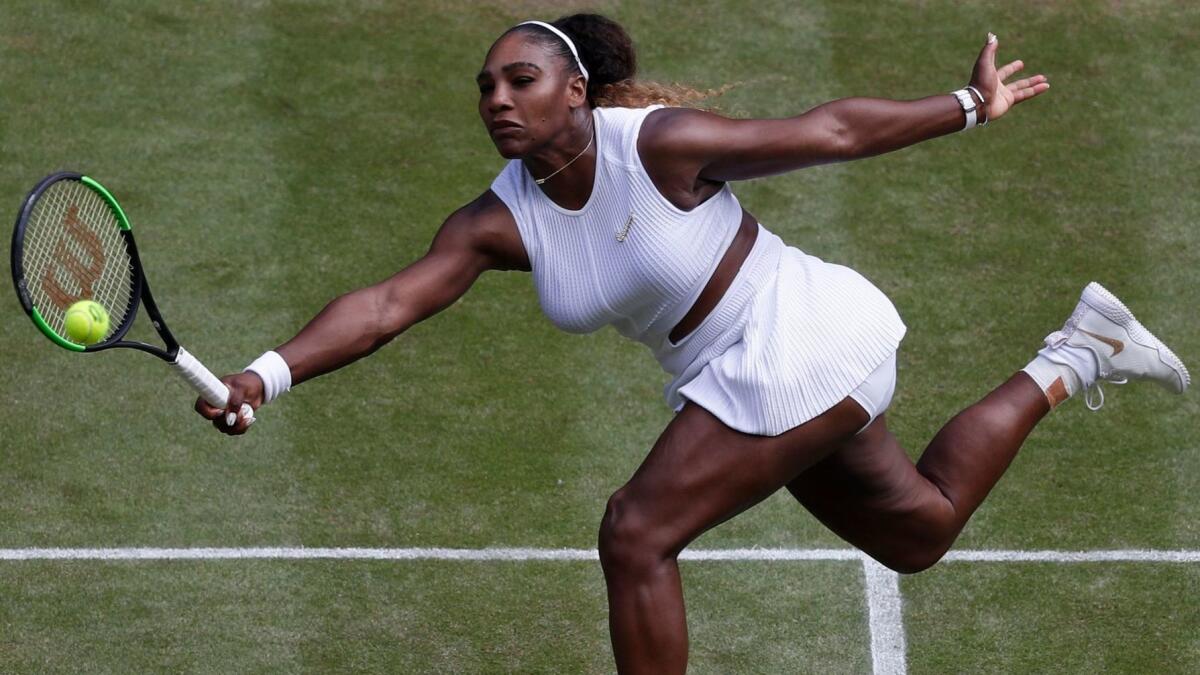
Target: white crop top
x=629 y=257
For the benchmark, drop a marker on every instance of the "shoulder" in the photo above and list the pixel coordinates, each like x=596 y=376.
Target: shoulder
x=679 y=130
x=486 y=227
x=673 y=146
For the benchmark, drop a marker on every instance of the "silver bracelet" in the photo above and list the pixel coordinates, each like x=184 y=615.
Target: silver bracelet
x=982 y=102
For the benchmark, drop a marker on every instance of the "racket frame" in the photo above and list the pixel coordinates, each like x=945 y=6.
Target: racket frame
x=139 y=293
x=196 y=374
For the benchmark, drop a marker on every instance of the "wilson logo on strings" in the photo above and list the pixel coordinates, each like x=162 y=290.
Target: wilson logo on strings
x=68 y=259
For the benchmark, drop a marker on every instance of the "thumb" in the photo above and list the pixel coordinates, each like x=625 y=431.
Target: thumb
x=988 y=54
x=233 y=408
x=983 y=75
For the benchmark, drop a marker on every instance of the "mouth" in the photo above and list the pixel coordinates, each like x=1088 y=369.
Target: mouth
x=502 y=127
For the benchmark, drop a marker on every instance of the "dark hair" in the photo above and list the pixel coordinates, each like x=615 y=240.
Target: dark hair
x=611 y=61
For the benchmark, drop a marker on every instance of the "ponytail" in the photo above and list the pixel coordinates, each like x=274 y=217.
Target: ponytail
x=608 y=54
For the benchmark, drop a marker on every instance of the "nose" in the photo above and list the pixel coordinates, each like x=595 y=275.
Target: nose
x=498 y=100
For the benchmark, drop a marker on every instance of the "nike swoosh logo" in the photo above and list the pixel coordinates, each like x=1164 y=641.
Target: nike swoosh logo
x=624 y=232
x=1117 y=345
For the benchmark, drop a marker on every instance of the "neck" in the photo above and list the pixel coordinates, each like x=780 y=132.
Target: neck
x=567 y=159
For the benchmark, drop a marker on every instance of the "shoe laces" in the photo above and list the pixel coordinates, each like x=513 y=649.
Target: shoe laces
x=1093 y=391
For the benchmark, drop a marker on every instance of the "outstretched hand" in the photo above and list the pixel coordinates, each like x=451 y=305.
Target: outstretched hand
x=990 y=81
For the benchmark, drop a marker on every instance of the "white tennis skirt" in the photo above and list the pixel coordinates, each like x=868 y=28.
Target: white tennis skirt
x=791 y=338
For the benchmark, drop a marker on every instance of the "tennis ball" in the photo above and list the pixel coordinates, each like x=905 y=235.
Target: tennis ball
x=86 y=322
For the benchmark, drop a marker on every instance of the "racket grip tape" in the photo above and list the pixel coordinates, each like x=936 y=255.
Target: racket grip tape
x=202 y=380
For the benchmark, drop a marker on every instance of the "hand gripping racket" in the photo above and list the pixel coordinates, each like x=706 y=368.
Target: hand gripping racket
x=73 y=242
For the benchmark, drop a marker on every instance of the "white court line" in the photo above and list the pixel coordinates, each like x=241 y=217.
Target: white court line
x=480 y=554
x=1125 y=555
x=885 y=618
x=568 y=554
x=298 y=553
x=884 y=602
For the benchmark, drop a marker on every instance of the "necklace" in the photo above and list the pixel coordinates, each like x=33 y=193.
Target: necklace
x=539 y=181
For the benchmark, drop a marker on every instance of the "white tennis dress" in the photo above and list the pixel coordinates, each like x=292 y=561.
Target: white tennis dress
x=792 y=336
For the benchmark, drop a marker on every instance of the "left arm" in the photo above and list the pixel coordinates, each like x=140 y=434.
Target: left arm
x=713 y=148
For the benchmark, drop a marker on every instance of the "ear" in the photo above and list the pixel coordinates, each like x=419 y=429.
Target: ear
x=577 y=91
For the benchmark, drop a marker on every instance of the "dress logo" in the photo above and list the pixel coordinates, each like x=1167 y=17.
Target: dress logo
x=624 y=231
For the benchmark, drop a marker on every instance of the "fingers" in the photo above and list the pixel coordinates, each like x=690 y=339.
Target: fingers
x=1020 y=90
x=244 y=413
x=1027 y=83
x=207 y=411
x=237 y=415
x=1026 y=93
x=234 y=423
x=1010 y=68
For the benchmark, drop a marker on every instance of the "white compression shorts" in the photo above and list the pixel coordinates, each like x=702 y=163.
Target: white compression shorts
x=875 y=393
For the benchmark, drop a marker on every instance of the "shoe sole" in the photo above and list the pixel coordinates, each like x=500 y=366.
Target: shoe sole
x=1100 y=299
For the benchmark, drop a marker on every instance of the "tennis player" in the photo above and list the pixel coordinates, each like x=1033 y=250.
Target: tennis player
x=782 y=364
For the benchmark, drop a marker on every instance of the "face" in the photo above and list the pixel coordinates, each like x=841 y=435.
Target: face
x=525 y=97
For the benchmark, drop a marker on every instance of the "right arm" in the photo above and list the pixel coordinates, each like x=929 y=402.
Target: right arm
x=480 y=236
x=472 y=240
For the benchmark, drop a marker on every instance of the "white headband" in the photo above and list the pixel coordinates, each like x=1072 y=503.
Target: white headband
x=565 y=39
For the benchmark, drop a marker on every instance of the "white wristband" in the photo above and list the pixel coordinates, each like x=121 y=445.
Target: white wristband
x=275 y=374
x=982 y=102
x=968 y=106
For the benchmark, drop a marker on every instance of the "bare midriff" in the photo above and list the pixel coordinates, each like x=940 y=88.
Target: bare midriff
x=721 y=279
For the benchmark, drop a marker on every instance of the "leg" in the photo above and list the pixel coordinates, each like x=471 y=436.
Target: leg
x=699 y=473
x=905 y=516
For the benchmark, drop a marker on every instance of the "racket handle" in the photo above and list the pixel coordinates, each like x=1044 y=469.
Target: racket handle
x=202 y=380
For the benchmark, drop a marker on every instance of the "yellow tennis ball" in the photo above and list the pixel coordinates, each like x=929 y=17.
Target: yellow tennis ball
x=86 y=322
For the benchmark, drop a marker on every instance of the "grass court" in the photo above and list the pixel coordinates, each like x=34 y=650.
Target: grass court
x=272 y=155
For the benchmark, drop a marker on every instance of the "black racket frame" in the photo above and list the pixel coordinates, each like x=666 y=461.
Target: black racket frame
x=140 y=292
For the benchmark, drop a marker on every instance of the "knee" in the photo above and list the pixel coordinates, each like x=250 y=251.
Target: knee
x=912 y=559
x=910 y=564
x=629 y=540
x=922 y=540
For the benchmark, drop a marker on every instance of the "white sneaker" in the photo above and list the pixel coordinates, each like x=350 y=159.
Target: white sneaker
x=1124 y=349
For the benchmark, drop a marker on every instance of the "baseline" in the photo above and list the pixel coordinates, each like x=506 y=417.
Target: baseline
x=571 y=554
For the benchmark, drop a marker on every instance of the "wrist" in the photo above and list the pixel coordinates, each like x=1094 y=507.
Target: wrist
x=980 y=103
x=275 y=374
x=968 y=106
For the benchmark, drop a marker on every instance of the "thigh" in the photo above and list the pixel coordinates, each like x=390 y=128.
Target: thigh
x=701 y=472
x=870 y=493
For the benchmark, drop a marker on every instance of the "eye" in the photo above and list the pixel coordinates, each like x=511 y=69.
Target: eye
x=523 y=80
x=485 y=88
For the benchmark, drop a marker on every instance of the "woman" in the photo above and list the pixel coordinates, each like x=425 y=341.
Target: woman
x=783 y=365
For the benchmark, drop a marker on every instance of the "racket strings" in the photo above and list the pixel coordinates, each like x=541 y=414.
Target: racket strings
x=73 y=250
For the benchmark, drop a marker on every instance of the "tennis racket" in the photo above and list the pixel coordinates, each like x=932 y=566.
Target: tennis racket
x=73 y=242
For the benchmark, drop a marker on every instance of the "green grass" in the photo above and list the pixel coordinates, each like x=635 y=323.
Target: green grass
x=273 y=155
x=411 y=617
x=1126 y=618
